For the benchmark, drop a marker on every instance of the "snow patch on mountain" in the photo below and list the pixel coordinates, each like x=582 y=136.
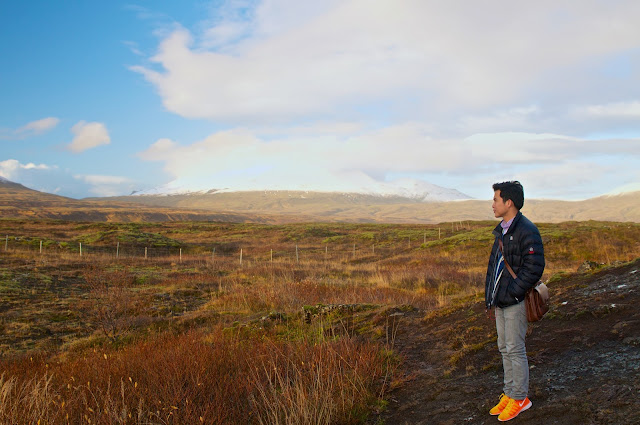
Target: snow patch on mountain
x=627 y=188
x=406 y=188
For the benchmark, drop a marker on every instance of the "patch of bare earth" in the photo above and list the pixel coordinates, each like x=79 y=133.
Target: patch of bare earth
x=584 y=358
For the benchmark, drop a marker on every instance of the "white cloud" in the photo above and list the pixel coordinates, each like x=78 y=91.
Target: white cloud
x=102 y=180
x=241 y=159
x=52 y=179
x=30 y=129
x=287 y=62
x=11 y=169
x=39 y=126
x=336 y=95
x=103 y=185
x=610 y=110
x=88 y=135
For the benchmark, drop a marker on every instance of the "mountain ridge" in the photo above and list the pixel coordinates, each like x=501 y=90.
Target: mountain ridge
x=404 y=188
x=300 y=206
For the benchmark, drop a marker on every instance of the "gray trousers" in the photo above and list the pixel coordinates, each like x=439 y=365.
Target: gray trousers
x=511 y=323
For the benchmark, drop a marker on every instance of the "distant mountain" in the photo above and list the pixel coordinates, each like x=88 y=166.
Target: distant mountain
x=298 y=206
x=411 y=189
x=349 y=207
x=18 y=201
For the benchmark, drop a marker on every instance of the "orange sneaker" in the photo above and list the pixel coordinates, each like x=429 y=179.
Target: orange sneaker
x=514 y=408
x=498 y=408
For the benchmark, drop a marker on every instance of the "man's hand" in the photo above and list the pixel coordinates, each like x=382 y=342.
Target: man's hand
x=490 y=314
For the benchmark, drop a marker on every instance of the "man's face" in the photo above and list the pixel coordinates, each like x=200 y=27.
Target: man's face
x=500 y=208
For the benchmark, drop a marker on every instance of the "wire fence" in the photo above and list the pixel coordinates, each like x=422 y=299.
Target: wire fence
x=338 y=252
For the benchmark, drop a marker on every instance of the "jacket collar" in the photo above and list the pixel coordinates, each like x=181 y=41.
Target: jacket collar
x=498 y=229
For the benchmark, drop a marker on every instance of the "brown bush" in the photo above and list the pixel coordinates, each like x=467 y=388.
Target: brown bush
x=194 y=378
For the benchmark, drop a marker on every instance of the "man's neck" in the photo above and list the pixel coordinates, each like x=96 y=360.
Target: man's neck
x=509 y=216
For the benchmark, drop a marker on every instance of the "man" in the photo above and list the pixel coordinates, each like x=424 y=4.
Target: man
x=522 y=250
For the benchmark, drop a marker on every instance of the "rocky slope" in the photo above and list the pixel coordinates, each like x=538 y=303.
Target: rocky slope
x=584 y=358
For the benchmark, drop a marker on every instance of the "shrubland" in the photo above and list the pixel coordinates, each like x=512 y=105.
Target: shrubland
x=234 y=323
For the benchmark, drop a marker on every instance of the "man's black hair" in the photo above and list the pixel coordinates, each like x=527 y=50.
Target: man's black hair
x=511 y=190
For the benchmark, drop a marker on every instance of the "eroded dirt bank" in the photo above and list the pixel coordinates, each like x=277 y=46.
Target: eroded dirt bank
x=584 y=358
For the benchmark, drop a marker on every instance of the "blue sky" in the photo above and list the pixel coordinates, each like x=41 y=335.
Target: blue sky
x=103 y=98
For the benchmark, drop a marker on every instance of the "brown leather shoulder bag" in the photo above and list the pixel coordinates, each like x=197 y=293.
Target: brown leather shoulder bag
x=536 y=299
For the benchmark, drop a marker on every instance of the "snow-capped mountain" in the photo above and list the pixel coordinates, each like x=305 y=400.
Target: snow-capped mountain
x=405 y=188
x=628 y=188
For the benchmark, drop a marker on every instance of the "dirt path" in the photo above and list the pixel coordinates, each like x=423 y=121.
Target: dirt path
x=584 y=358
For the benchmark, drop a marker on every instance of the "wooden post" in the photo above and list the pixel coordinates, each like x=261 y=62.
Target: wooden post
x=118 y=250
x=354 y=250
x=438 y=233
x=240 y=256
x=213 y=254
x=81 y=249
x=40 y=247
x=409 y=242
x=145 y=252
x=181 y=255
x=297 y=256
x=326 y=252
x=374 y=249
x=272 y=255
x=425 y=238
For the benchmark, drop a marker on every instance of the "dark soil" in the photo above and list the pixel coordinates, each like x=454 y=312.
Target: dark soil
x=584 y=358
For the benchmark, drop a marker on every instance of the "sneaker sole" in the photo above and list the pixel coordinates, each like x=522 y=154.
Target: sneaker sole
x=496 y=414
x=521 y=410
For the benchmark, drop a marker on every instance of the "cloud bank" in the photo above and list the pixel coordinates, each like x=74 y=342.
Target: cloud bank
x=53 y=179
x=242 y=160
x=304 y=61
x=342 y=94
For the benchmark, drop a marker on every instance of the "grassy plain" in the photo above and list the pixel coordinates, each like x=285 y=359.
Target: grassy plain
x=195 y=322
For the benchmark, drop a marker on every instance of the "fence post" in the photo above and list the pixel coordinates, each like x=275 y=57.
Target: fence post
x=354 y=250
x=40 y=247
x=240 y=256
x=425 y=238
x=181 y=255
x=374 y=249
x=213 y=254
x=438 y=233
x=145 y=252
x=272 y=255
x=326 y=252
x=297 y=256
x=80 y=249
x=117 y=249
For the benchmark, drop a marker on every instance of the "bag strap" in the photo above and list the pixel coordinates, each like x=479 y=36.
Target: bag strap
x=505 y=259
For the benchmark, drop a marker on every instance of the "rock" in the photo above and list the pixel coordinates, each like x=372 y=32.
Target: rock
x=588 y=266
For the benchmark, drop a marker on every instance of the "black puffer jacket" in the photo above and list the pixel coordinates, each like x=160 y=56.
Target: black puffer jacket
x=524 y=252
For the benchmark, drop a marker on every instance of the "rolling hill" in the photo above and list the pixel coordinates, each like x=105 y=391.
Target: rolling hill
x=18 y=201
x=349 y=207
x=297 y=206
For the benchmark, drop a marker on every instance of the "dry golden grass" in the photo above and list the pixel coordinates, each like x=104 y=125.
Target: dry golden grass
x=188 y=333
x=214 y=378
